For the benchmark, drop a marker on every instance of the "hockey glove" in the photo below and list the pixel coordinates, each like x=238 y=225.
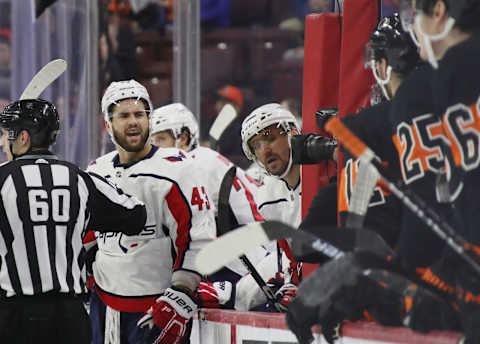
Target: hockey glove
x=167 y=321
x=214 y=295
x=286 y=294
x=427 y=311
x=332 y=326
x=300 y=319
x=471 y=325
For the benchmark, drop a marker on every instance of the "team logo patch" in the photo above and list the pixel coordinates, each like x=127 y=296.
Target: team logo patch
x=175 y=158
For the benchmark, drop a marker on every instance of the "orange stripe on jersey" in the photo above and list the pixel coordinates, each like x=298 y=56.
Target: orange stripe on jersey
x=342 y=196
x=348 y=178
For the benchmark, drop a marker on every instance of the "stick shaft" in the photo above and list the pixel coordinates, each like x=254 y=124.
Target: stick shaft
x=411 y=200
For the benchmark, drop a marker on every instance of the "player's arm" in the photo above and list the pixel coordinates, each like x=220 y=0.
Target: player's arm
x=243 y=198
x=189 y=218
x=111 y=209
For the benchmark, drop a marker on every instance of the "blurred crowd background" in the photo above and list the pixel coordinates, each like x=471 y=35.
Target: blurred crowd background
x=251 y=53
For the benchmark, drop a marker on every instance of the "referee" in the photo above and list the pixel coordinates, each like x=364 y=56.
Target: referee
x=46 y=204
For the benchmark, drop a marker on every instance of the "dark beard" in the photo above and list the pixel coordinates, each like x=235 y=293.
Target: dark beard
x=129 y=148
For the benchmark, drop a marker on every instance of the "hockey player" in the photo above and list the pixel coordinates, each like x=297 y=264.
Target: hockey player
x=266 y=136
x=175 y=126
x=266 y=140
x=156 y=268
x=393 y=56
x=448 y=30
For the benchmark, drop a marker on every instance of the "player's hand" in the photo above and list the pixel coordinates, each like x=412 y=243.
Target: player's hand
x=429 y=312
x=167 y=321
x=471 y=322
x=300 y=319
x=286 y=294
x=214 y=295
x=331 y=325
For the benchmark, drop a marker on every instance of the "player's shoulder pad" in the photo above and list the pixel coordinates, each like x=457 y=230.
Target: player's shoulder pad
x=210 y=156
x=169 y=155
x=102 y=161
x=271 y=189
x=380 y=109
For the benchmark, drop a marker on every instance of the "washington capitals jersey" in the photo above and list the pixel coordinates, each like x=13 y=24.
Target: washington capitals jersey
x=180 y=220
x=211 y=167
x=371 y=125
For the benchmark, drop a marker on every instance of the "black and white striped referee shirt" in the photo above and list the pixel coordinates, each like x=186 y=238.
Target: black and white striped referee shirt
x=45 y=206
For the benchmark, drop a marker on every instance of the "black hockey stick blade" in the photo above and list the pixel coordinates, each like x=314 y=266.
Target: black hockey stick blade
x=331 y=241
x=223 y=220
x=317 y=245
x=224 y=223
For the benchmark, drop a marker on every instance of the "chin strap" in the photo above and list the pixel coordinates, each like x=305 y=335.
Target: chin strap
x=428 y=39
x=10 y=145
x=290 y=160
x=382 y=83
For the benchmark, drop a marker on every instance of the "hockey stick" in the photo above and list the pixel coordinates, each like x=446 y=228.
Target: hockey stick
x=225 y=117
x=362 y=191
x=45 y=76
x=412 y=201
x=224 y=223
x=333 y=243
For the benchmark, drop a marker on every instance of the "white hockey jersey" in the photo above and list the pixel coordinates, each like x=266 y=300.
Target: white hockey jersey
x=277 y=201
x=131 y=271
x=212 y=167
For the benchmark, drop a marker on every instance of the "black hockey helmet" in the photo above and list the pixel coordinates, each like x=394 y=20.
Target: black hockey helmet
x=389 y=41
x=37 y=116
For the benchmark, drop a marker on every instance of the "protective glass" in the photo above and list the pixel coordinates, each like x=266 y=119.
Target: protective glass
x=369 y=57
x=376 y=94
x=407 y=16
x=264 y=138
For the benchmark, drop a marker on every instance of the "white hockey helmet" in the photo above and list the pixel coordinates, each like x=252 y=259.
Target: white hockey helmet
x=176 y=117
x=262 y=117
x=120 y=90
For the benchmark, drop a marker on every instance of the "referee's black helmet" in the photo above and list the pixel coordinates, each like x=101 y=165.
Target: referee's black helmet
x=37 y=116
